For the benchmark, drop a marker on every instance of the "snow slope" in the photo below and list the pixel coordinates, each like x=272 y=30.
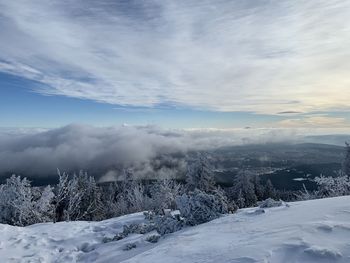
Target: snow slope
x=309 y=231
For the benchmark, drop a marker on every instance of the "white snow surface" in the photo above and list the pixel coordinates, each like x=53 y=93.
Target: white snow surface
x=308 y=231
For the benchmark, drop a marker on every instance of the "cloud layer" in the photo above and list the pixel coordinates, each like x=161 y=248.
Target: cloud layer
x=260 y=56
x=149 y=151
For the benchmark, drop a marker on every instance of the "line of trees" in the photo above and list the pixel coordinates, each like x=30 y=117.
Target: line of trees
x=79 y=197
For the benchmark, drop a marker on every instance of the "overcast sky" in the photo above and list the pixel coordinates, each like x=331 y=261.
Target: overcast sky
x=183 y=64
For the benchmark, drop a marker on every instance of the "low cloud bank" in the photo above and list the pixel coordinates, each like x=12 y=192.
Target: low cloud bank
x=105 y=152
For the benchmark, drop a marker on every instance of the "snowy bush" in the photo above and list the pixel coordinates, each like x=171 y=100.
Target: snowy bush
x=149 y=215
x=270 y=203
x=119 y=236
x=44 y=206
x=21 y=204
x=163 y=194
x=167 y=224
x=153 y=238
x=134 y=228
x=199 y=207
x=132 y=197
x=129 y=246
x=16 y=202
x=333 y=186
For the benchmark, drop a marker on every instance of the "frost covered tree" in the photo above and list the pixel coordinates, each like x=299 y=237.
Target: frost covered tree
x=200 y=175
x=78 y=198
x=137 y=199
x=72 y=209
x=44 y=205
x=163 y=194
x=16 y=202
x=61 y=196
x=269 y=190
x=244 y=187
x=333 y=186
x=258 y=187
x=90 y=204
x=132 y=197
x=21 y=204
x=109 y=200
x=240 y=201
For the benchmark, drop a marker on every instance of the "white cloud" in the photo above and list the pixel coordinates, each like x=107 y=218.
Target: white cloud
x=107 y=150
x=315 y=121
x=148 y=150
x=266 y=56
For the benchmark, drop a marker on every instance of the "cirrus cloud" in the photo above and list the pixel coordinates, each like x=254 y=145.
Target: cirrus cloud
x=258 y=56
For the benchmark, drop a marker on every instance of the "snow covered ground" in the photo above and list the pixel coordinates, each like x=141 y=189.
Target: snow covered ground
x=309 y=231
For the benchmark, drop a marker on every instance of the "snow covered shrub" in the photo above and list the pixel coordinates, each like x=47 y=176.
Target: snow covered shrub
x=305 y=194
x=270 y=203
x=149 y=215
x=163 y=194
x=107 y=239
x=134 y=228
x=232 y=206
x=129 y=246
x=132 y=197
x=16 y=202
x=167 y=224
x=138 y=201
x=21 y=204
x=333 y=186
x=44 y=205
x=137 y=228
x=153 y=238
x=199 y=207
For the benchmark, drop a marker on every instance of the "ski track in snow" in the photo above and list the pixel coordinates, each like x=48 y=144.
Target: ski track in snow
x=310 y=231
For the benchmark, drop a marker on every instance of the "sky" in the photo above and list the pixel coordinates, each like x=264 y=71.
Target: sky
x=176 y=64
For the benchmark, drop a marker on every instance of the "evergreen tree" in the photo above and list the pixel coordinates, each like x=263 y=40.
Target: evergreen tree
x=91 y=207
x=258 y=187
x=61 y=196
x=109 y=200
x=243 y=186
x=200 y=175
x=269 y=191
x=240 y=201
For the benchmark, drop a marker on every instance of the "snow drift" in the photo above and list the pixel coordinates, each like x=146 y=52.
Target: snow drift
x=308 y=231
